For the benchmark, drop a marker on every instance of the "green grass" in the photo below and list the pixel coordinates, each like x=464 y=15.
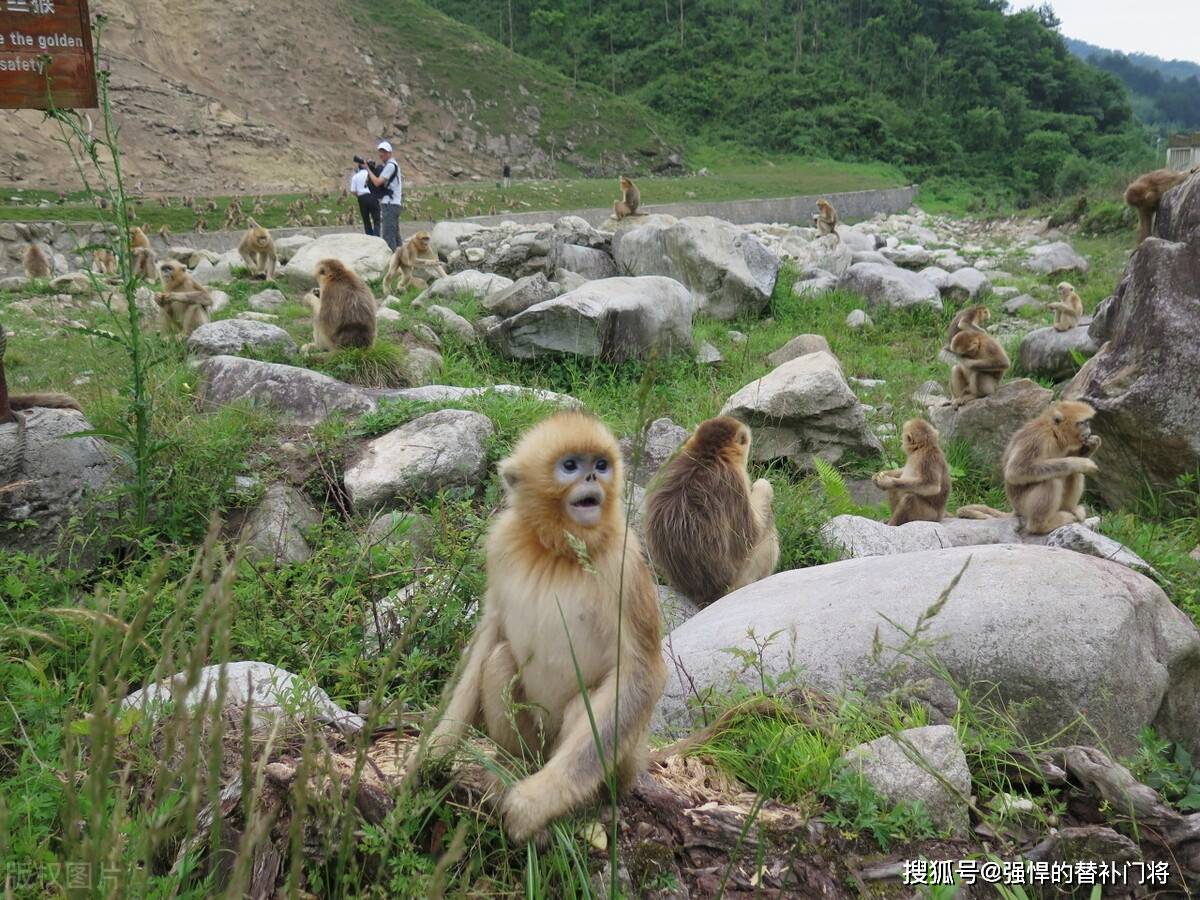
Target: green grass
x=729 y=178
x=308 y=617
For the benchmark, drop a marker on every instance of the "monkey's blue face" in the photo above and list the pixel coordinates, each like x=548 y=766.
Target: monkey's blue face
x=586 y=479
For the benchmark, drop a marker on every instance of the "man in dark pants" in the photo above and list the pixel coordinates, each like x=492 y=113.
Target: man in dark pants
x=368 y=204
x=387 y=177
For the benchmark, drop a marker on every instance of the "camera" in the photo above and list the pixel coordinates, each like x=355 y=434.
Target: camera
x=359 y=160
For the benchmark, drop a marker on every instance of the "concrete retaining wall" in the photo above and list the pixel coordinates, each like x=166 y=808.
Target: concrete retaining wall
x=852 y=206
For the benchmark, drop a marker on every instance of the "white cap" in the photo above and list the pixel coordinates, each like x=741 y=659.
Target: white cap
x=384 y=145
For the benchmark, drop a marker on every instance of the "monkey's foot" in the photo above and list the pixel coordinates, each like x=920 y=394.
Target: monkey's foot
x=521 y=810
x=1080 y=513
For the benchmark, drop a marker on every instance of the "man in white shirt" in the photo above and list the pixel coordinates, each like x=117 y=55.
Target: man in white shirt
x=368 y=203
x=388 y=178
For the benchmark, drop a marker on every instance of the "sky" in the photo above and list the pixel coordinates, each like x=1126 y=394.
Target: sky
x=1166 y=28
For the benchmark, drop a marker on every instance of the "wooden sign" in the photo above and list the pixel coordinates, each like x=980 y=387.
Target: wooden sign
x=46 y=39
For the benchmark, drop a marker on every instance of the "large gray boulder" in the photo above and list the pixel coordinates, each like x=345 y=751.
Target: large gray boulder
x=520 y=295
x=441 y=450
x=798 y=346
x=855 y=536
x=267 y=301
x=614 y=318
x=1058 y=258
x=48 y=478
x=801 y=409
x=987 y=424
x=908 y=256
x=589 y=262
x=274 y=530
x=444 y=393
x=271 y=693
x=1051 y=634
x=446 y=235
x=1178 y=216
x=363 y=254
x=286 y=247
x=662 y=439
x=508 y=249
x=890 y=286
x=237 y=336
x=1052 y=354
x=1145 y=382
x=728 y=269
x=827 y=253
x=467 y=283
x=925 y=766
x=300 y=395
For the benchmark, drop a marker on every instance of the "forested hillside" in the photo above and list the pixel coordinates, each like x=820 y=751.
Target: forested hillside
x=1166 y=94
x=939 y=87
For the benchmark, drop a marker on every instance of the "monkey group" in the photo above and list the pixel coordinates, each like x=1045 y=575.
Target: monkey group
x=1044 y=466
x=570 y=593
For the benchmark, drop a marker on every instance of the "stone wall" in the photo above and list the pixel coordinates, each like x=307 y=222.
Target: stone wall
x=64 y=237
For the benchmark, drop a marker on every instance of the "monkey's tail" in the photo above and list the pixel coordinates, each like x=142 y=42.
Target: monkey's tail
x=980 y=511
x=353 y=335
x=52 y=400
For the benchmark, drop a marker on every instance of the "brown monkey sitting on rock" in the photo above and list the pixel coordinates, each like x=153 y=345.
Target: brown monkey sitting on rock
x=631 y=199
x=707 y=528
x=35 y=262
x=919 y=491
x=981 y=364
x=1069 y=308
x=1146 y=192
x=1045 y=464
x=825 y=219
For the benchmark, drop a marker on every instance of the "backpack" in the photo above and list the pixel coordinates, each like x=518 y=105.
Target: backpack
x=379 y=191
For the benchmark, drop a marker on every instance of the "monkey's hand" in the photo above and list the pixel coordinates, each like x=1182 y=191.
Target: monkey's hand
x=162 y=299
x=1083 y=466
x=886 y=479
x=1091 y=445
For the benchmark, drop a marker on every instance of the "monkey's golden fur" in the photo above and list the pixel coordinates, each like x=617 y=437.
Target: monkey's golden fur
x=257 y=250
x=558 y=586
x=969 y=319
x=631 y=199
x=1045 y=464
x=1146 y=192
x=185 y=303
x=144 y=261
x=414 y=253
x=919 y=491
x=343 y=309
x=35 y=262
x=982 y=362
x=707 y=528
x=826 y=218
x=1069 y=308
x=12 y=402
x=104 y=262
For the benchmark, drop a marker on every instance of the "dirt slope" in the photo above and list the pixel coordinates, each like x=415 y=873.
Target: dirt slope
x=273 y=95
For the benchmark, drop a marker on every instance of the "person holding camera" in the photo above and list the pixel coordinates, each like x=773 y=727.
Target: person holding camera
x=383 y=180
x=368 y=203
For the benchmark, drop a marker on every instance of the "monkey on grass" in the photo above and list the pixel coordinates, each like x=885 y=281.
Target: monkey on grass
x=708 y=529
x=257 y=250
x=343 y=309
x=567 y=590
x=185 y=303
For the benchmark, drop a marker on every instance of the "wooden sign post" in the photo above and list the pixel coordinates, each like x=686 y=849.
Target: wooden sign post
x=42 y=39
